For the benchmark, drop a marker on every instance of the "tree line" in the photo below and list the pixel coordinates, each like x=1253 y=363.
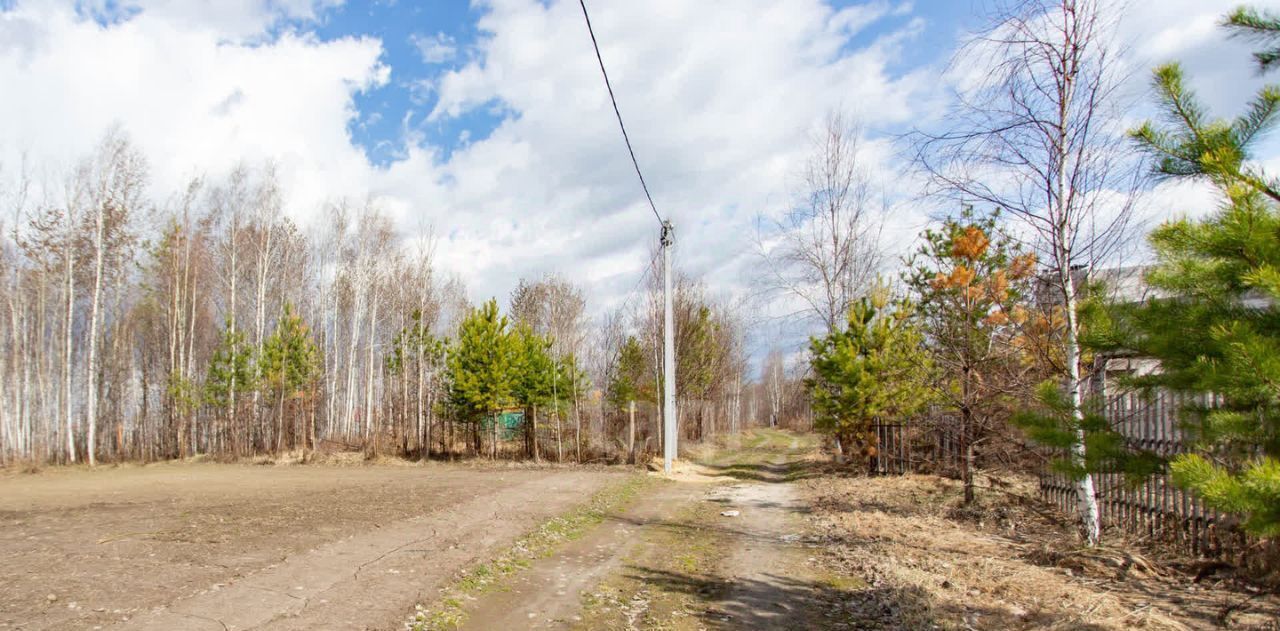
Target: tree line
x=211 y=323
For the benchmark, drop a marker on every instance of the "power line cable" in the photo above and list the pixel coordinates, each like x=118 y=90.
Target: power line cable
x=616 y=112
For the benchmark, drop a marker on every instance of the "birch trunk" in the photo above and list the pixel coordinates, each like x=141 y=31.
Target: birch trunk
x=231 y=324
x=352 y=347
x=68 y=326
x=577 y=418
x=260 y=318
x=370 y=367
x=537 y=457
x=419 y=434
x=555 y=402
x=16 y=375
x=91 y=382
x=1086 y=499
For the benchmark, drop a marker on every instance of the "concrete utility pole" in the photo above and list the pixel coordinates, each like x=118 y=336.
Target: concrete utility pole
x=668 y=355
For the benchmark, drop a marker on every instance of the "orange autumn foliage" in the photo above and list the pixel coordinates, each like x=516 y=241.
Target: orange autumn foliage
x=961 y=276
x=1023 y=266
x=971 y=244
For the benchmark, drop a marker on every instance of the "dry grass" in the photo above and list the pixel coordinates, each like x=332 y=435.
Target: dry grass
x=1005 y=563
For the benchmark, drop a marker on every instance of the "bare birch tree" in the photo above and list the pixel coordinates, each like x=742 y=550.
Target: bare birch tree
x=231 y=204
x=114 y=179
x=555 y=307
x=1036 y=132
x=824 y=252
x=775 y=382
x=264 y=228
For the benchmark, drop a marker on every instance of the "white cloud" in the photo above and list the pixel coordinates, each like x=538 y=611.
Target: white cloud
x=435 y=49
x=719 y=97
x=719 y=100
x=1218 y=66
x=193 y=100
x=231 y=19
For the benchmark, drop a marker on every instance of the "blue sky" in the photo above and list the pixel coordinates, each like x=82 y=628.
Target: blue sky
x=395 y=113
x=486 y=126
x=387 y=112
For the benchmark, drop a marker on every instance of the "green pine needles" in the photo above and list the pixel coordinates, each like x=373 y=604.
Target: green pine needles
x=480 y=364
x=1054 y=424
x=290 y=369
x=1216 y=330
x=230 y=370
x=494 y=365
x=875 y=367
x=632 y=380
x=1260 y=26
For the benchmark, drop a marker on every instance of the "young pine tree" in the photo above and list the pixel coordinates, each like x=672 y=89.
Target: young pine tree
x=579 y=382
x=533 y=375
x=873 y=368
x=630 y=376
x=970 y=281
x=481 y=367
x=290 y=367
x=630 y=382
x=230 y=371
x=1218 y=328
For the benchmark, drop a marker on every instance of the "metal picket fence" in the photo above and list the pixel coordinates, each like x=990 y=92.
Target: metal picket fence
x=928 y=443
x=892 y=454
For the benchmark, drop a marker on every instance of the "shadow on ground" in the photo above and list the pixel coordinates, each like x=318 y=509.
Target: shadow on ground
x=774 y=473
x=781 y=602
x=692 y=528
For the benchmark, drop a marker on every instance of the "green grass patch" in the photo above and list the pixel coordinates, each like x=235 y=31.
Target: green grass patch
x=844 y=583
x=450 y=611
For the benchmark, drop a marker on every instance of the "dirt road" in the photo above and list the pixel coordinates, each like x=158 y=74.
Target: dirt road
x=719 y=547
x=763 y=535
x=204 y=546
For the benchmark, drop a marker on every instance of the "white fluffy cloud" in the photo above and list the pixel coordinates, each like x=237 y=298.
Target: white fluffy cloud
x=194 y=101
x=229 y=19
x=720 y=99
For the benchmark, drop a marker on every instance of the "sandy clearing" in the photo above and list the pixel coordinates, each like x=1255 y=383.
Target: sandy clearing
x=246 y=546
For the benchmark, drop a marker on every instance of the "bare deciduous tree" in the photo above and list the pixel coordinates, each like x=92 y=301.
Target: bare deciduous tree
x=824 y=252
x=112 y=183
x=1037 y=134
x=555 y=307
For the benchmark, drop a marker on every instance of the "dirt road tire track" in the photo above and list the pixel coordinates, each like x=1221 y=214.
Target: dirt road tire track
x=674 y=561
x=369 y=581
x=549 y=593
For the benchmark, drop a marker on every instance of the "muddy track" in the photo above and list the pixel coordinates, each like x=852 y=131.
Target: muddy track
x=766 y=562
x=549 y=593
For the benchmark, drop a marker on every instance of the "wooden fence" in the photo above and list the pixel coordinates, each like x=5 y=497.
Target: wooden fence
x=1155 y=509
x=892 y=455
x=929 y=443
